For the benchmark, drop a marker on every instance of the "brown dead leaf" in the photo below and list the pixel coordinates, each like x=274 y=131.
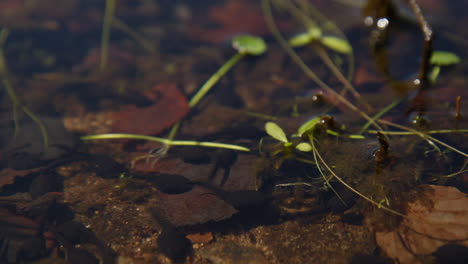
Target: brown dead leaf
x=426 y=228
x=170 y=105
x=8 y=175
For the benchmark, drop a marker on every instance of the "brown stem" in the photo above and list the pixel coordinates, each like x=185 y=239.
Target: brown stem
x=427 y=46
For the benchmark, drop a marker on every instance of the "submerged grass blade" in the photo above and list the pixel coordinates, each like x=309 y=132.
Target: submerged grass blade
x=165 y=141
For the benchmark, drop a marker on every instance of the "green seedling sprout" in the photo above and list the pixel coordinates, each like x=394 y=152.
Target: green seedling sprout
x=4 y=73
x=440 y=59
x=277 y=133
x=245 y=45
x=315 y=35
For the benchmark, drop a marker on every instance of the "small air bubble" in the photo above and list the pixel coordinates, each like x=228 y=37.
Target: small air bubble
x=382 y=23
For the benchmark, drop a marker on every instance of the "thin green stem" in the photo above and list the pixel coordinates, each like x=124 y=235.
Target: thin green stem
x=332 y=67
x=106 y=30
x=165 y=141
x=215 y=78
x=379 y=115
x=408 y=133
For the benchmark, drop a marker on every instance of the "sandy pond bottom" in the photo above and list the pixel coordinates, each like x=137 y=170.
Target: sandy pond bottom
x=117 y=212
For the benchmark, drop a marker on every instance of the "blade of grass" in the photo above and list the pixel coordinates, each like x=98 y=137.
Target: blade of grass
x=165 y=141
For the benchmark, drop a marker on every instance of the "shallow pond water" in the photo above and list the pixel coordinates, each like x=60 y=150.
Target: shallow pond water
x=380 y=169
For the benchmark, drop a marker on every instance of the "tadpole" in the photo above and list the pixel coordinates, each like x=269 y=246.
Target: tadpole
x=171 y=242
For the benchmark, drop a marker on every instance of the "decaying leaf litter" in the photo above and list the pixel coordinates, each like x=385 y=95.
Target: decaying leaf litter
x=337 y=167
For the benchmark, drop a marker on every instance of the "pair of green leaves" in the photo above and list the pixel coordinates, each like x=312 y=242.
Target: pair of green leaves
x=441 y=59
x=315 y=34
x=277 y=133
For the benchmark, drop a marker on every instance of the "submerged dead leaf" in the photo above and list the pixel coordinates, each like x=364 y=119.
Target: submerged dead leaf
x=170 y=105
x=428 y=228
x=8 y=175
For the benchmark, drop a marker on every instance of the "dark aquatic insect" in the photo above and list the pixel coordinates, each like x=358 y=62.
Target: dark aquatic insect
x=171 y=242
x=242 y=199
x=168 y=183
x=106 y=167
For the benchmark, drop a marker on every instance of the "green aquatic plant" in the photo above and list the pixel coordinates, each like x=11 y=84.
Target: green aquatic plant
x=15 y=100
x=266 y=7
x=245 y=45
x=314 y=37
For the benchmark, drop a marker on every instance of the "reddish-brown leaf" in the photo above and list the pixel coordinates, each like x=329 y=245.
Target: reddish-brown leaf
x=169 y=106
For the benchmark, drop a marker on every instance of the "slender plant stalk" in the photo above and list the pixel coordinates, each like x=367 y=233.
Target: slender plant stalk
x=165 y=141
x=206 y=87
x=408 y=133
x=106 y=30
x=332 y=67
x=146 y=44
x=215 y=78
